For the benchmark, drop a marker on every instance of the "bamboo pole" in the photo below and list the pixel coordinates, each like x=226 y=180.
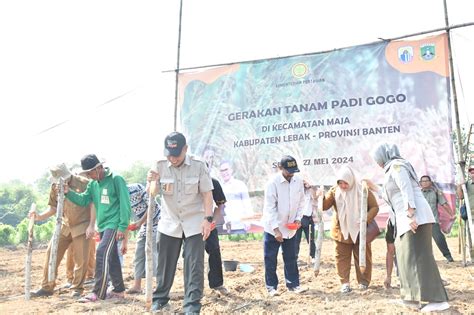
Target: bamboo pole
x=462 y=240
x=319 y=239
x=177 y=67
x=52 y=266
x=29 y=253
x=363 y=228
x=150 y=245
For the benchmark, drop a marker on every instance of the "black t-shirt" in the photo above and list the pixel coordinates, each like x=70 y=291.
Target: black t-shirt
x=218 y=193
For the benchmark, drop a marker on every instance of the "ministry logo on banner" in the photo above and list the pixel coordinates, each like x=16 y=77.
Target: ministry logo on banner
x=405 y=54
x=427 y=52
x=299 y=70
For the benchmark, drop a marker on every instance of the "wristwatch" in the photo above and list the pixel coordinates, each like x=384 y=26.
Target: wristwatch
x=410 y=216
x=209 y=218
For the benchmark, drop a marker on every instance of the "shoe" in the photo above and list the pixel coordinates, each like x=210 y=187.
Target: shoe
x=76 y=294
x=89 y=281
x=297 y=290
x=445 y=283
x=166 y=307
x=221 y=290
x=346 y=288
x=450 y=259
x=414 y=305
x=91 y=297
x=301 y=263
x=273 y=292
x=67 y=285
x=363 y=287
x=41 y=292
x=435 y=307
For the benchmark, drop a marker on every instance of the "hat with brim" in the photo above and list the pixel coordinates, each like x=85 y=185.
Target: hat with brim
x=174 y=144
x=59 y=171
x=90 y=162
x=289 y=163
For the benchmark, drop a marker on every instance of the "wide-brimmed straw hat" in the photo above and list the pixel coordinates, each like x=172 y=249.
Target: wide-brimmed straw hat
x=59 y=171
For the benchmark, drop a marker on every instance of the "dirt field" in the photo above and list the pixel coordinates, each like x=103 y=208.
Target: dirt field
x=247 y=290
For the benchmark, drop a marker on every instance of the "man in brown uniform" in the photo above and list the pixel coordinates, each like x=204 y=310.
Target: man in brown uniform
x=73 y=231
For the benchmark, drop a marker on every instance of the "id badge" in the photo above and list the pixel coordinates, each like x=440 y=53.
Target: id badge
x=167 y=188
x=104 y=199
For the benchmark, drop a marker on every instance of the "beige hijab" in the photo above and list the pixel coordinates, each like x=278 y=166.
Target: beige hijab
x=348 y=204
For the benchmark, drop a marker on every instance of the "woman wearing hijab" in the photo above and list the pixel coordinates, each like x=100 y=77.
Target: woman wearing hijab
x=420 y=280
x=345 y=197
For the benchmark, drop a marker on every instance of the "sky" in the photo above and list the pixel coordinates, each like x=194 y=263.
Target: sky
x=81 y=77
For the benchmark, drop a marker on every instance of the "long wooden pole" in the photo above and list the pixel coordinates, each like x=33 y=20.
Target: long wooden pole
x=177 y=67
x=460 y=148
x=29 y=253
x=319 y=238
x=150 y=245
x=325 y=51
x=363 y=228
x=55 y=240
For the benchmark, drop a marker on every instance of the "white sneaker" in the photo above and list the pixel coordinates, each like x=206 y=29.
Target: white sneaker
x=363 y=287
x=435 y=307
x=346 y=288
x=297 y=290
x=273 y=292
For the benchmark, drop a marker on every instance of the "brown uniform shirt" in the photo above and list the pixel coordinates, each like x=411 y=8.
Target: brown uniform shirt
x=330 y=200
x=75 y=218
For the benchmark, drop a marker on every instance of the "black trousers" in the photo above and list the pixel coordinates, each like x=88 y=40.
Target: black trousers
x=107 y=263
x=307 y=225
x=440 y=240
x=212 y=247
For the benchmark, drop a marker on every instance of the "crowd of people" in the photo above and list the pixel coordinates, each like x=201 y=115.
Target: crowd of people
x=184 y=225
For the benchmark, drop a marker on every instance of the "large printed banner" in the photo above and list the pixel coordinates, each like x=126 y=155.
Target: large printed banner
x=326 y=110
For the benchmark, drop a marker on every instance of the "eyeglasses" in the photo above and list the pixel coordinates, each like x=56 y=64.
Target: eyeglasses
x=424 y=181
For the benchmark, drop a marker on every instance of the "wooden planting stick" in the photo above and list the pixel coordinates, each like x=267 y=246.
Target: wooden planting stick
x=29 y=253
x=469 y=222
x=363 y=228
x=150 y=245
x=319 y=239
x=55 y=240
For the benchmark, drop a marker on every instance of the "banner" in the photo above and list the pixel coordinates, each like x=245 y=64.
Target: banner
x=326 y=110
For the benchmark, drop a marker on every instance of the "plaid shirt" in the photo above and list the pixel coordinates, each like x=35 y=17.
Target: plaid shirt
x=139 y=203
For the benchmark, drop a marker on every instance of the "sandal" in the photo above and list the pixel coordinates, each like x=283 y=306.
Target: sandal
x=134 y=291
x=115 y=295
x=91 y=297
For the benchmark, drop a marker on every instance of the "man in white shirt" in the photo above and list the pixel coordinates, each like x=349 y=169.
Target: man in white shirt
x=282 y=212
x=238 y=206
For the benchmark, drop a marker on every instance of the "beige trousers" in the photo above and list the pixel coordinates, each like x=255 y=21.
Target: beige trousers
x=90 y=263
x=81 y=255
x=343 y=262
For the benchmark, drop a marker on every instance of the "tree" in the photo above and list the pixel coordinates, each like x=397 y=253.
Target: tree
x=43 y=184
x=136 y=173
x=15 y=201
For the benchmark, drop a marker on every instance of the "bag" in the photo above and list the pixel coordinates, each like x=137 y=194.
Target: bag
x=372 y=231
x=463 y=212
